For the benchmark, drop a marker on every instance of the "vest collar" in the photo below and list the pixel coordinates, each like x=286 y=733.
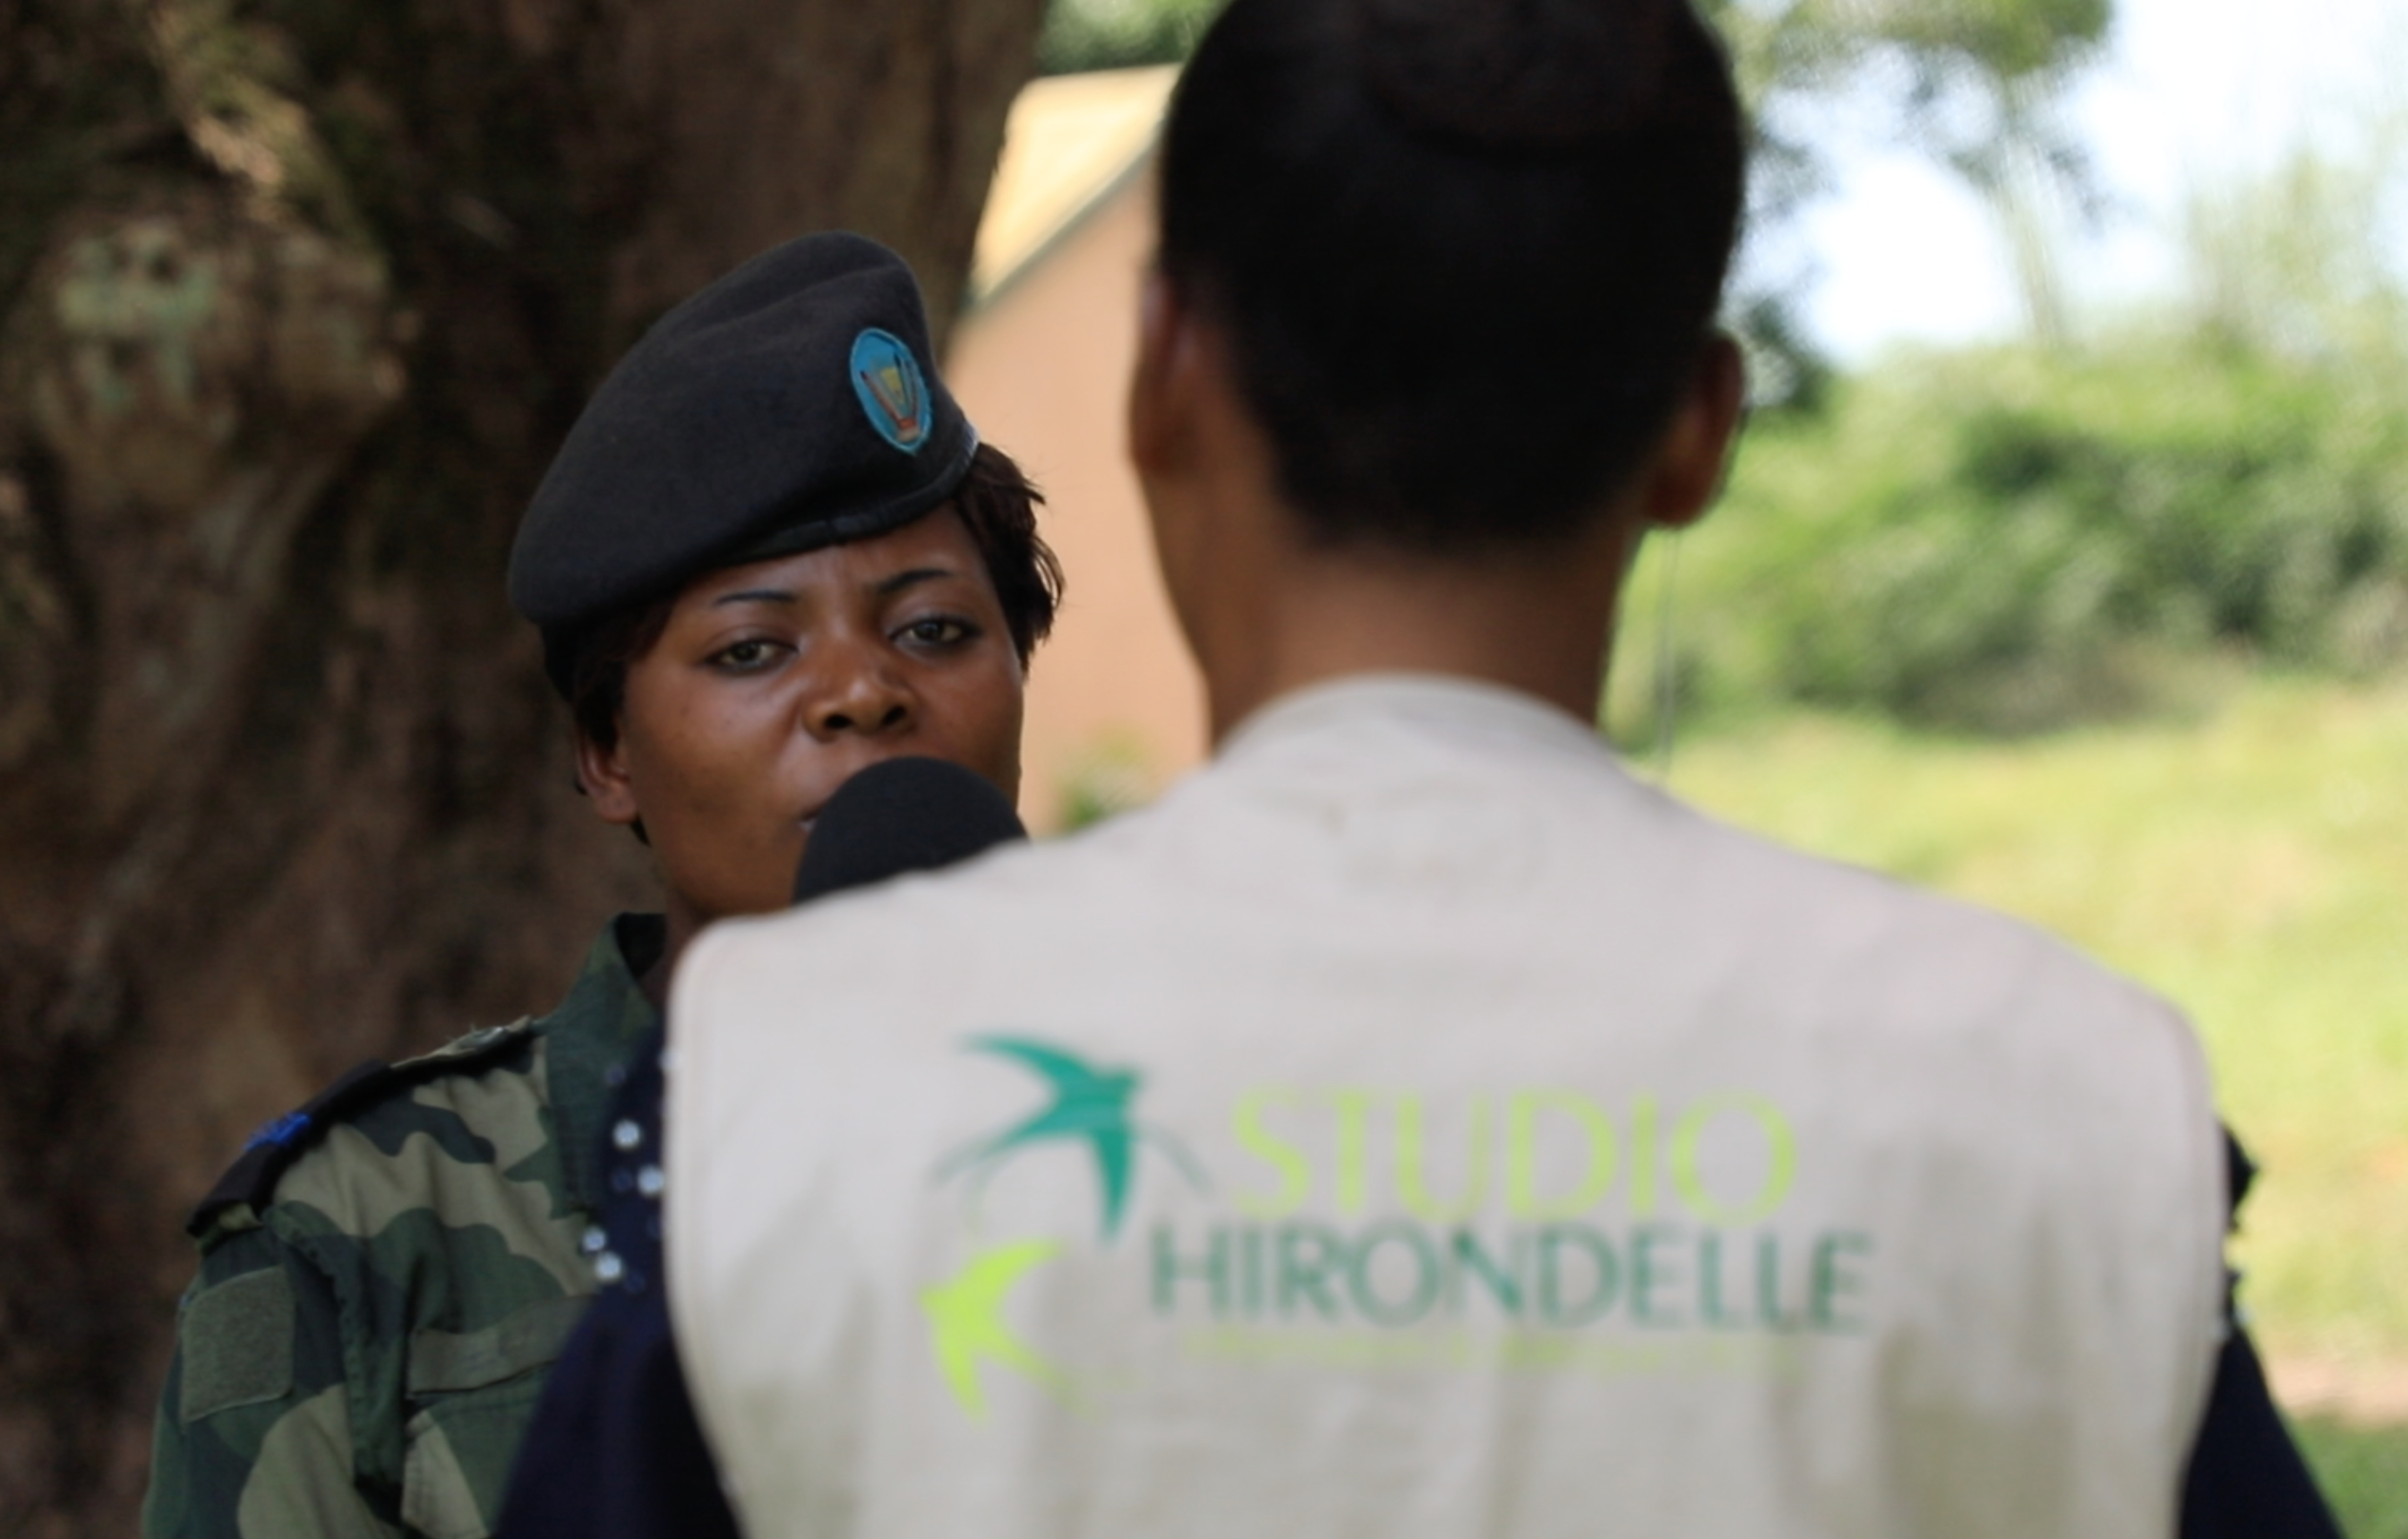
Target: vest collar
x=1445 y=702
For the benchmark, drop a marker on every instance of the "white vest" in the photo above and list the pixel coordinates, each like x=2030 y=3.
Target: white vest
x=1413 y=1126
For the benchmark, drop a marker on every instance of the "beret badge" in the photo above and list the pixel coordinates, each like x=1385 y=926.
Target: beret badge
x=887 y=378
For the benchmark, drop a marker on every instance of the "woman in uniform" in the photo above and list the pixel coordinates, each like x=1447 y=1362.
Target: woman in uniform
x=771 y=553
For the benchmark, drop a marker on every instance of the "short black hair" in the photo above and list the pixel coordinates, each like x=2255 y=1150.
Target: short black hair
x=994 y=499
x=1468 y=252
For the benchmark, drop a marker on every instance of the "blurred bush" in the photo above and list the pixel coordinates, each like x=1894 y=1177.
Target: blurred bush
x=1118 y=34
x=2020 y=537
x=2012 y=539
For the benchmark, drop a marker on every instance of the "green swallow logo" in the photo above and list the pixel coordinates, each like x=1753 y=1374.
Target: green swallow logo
x=965 y=1322
x=1089 y=1104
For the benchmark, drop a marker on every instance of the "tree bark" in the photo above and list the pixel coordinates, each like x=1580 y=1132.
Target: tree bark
x=296 y=299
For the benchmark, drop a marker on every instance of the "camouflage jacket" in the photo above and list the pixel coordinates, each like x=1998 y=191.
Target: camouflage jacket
x=369 y=1331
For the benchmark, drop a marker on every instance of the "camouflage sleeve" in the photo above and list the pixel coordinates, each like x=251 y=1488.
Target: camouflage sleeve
x=380 y=1295
x=254 y=1437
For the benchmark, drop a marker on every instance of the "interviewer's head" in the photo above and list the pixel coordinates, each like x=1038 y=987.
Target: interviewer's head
x=1454 y=264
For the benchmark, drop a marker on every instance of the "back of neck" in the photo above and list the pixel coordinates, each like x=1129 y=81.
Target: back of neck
x=1536 y=622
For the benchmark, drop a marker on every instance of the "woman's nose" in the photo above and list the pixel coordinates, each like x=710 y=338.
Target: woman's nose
x=858 y=693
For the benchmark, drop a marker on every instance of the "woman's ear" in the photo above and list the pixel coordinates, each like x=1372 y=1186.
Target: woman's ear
x=602 y=774
x=1692 y=458
x=1157 y=384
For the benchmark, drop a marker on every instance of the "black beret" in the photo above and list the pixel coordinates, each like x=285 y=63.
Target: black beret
x=793 y=403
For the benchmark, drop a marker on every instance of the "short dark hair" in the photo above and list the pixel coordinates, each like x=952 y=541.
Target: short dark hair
x=1468 y=252
x=995 y=500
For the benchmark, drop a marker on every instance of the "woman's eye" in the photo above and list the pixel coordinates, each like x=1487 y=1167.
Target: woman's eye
x=938 y=631
x=744 y=656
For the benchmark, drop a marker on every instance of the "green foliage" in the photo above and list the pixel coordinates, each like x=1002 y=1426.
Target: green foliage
x=1109 y=777
x=2013 y=539
x=1974 y=85
x=1117 y=34
x=2363 y=1471
x=2003 y=39
x=2306 y=261
x=2016 y=538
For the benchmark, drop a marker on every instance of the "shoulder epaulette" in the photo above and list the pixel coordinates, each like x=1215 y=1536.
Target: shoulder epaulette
x=252 y=1179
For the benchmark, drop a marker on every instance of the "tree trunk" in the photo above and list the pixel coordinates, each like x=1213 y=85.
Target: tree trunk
x=296 y=299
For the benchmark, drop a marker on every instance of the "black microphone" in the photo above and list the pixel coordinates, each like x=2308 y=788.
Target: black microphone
x=902 y=815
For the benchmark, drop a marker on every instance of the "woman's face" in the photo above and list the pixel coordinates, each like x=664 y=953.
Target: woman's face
x=772 y=683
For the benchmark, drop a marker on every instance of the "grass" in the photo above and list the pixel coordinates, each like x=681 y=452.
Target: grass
x=2364 y=1473
x=2251 y=865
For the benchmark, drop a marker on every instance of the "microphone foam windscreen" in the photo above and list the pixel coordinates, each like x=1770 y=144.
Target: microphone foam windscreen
x=902 y=815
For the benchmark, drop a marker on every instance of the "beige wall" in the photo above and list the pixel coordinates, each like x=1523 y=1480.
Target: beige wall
x=1114 y=702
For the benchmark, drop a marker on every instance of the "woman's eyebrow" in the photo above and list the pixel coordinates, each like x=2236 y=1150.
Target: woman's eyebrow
x=754 y=595
x=888 y=586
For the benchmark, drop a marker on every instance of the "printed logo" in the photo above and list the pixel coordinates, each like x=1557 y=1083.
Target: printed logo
x=894 y=396
x=1359 y=1227
x=965 y=1322
x=1545 y=1218
x=1089 y=1105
